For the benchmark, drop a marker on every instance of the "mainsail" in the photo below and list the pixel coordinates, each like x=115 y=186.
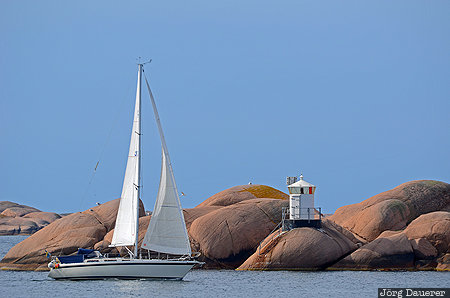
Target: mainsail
x=166 y=232
x=125 y=232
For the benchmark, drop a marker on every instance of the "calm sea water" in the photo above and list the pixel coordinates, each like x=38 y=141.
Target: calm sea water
x=218 y=283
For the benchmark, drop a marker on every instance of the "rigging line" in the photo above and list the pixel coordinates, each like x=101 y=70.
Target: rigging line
x=141 y=150
x=141 y=170
x=161 y=133
x=102 y=151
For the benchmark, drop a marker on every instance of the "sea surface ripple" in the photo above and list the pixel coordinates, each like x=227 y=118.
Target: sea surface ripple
x=219 y=283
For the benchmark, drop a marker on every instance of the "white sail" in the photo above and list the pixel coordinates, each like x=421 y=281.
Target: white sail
x=166 y=232
x=125 y=231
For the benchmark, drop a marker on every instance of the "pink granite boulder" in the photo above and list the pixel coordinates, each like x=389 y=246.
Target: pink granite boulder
x=393 y=209
x=301 y=249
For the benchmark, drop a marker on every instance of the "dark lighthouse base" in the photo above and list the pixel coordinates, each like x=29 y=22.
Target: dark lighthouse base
x=289 y=224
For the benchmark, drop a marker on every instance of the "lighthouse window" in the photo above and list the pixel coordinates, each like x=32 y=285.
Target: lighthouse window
x=294 y=190
x=301 y=191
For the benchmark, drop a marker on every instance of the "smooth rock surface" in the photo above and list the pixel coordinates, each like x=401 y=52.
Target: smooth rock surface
x=390 y=253
x=85 y=230
x=434 y=227
x=18 y=219
x=18 y=211
x=45 y=216
x=423 y=249
x=17 y=226
x=64 y=236
x=301 y=249
x=7 y=204
x=227 y=236
x=15 y=207
x=192 y=214
x=444 y=263
x=393 y=209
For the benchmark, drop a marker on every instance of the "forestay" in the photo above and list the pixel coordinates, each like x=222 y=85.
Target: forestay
x=166 y=232
x=126 y=222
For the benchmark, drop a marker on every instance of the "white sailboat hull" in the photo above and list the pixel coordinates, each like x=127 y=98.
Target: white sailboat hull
x=123 y=269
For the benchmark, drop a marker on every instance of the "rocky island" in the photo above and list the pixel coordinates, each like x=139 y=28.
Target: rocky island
x=16 y=219
x=406 y=228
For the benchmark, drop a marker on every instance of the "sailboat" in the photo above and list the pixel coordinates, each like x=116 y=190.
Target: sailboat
x=166 y=233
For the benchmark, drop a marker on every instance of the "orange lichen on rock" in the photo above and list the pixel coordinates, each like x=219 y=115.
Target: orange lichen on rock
x=264 y=191
x=241 y=193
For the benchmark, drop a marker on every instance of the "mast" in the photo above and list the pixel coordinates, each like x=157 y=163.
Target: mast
x=127 y=220
x=139 y=164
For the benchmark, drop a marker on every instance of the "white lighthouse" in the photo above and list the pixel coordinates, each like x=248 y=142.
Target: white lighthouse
x=302 y=212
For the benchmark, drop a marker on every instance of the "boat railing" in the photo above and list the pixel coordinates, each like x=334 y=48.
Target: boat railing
x=152 y=255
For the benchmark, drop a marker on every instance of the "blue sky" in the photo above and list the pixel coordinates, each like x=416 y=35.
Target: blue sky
x=354 y=94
